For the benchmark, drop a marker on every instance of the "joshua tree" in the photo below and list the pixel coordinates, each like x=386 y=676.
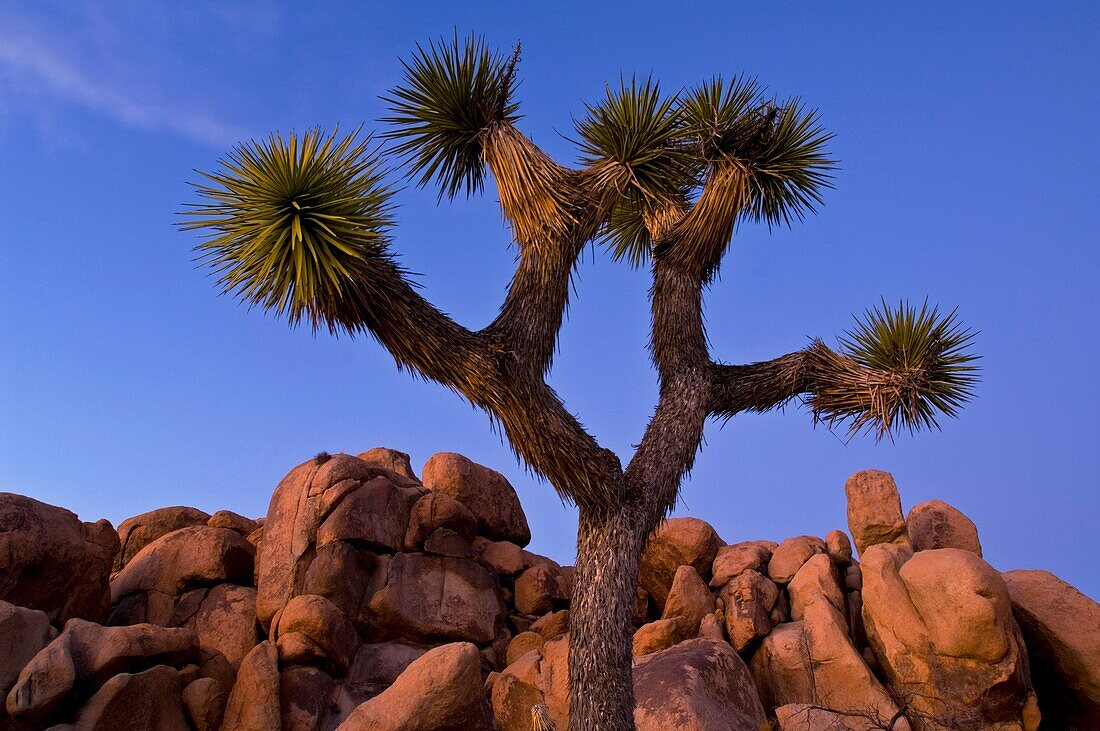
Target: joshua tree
x=299 y=225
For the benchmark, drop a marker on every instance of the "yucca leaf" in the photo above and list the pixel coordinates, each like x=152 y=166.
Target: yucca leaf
x=296 y=224
x=899 y=368
x=634 y=133
x=453 y=93
x=780 y=147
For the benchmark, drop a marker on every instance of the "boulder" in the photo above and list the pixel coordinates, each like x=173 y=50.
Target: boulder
x=738 y=558
x=301 y=503
x=659 y=635
x=522 y=644
x=689 y=599
x=377 y=664
x=374 y=516
x=23 y=633
x=322 y=622
x=487 y=494
x=391 y=459
x=445 y=542
x=304 y=694
x=940 y=624
x=440 y=690
x=146 y=589
x=439 y=510
x=234 y=522
x=552 y=624
x=516 y=691
x=150 y=699
x=838 y=547
x=698 y=685
x=817 y=581
x=348 y=578
x=747 y=602
x=223 y=617
x=53 y=562
x=539 y=677
x=1062 y=629
x=713 y=627
x=505 y=557
x=789 y=556
x=540 y=589
x=254 y=703
x=85 y=655
x=812 y=661
x=430 y=598
x=139 y=531
x=874 y=510
x=676 y=542
x=935 y=524
x=204 y=702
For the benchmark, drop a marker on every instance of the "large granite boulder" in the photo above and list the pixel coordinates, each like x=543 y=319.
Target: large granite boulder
x=53 y=562
x=23 y=633
x=391 y=459
x=151 y=699
x=348 y=577
x=302 y=502
x=85 y=655
x=440 y=690
x=789 y=556
x=874 y=510
x=735 y=559
x=689 y=600
x=487 y=493
x=698 y=685
x=139 y=531
x=253 y=704
x=223 y=617
x=436 y=598
x=147 y=588
x=935 y=524
x=318 y=621
x=940 y=624
x=812 y=662
x=1061 y=627
x=747 y=602
x=676 y=542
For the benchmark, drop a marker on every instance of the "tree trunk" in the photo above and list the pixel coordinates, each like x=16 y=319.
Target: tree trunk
x=601 y=691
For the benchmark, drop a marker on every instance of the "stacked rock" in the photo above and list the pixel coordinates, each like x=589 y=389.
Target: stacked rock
x=369 y=598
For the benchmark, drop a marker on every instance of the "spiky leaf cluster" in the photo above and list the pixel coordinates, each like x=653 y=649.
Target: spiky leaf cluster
x=633 y=136
x=779 y=146
x=295 y=224
x=453 y=93
x=674 y=146
x=899 y=369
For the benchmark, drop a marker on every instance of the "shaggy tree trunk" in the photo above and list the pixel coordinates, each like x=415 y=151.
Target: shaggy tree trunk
x=601 y=692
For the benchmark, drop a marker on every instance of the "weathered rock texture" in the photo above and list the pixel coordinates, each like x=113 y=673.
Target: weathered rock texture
x=367 y=599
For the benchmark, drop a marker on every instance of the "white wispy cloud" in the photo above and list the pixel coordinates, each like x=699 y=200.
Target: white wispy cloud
x=38 y=71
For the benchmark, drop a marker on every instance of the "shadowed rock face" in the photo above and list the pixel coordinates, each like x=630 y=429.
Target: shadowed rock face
x=53 y=562
x=364 y=599
x=1062 y=629
x=698 y=685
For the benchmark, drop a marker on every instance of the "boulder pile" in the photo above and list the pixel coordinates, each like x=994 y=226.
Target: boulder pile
x=371 y=598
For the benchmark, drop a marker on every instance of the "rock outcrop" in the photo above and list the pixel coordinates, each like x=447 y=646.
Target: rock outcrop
x=53 y=562
x=367 y=599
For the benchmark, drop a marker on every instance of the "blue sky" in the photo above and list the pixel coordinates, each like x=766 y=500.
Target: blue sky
x=968 y=148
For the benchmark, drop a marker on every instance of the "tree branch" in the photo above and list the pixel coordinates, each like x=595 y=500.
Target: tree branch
x=678 y=345
x=553 y=214
x=760 y=386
